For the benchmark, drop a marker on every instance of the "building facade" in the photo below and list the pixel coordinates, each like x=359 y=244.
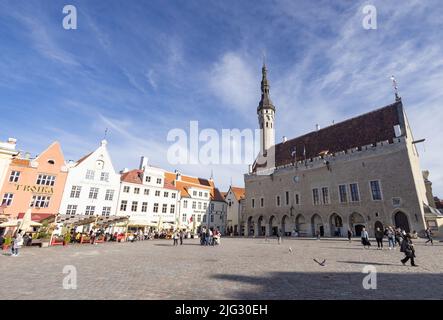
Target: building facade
x=7 y=153
x=233 y=199
x=92 y=185
x=200 y=204
x=36 y=183
x=147 y=197
x=362 y=172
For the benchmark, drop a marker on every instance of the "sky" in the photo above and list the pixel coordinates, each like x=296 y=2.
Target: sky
x=143 y=68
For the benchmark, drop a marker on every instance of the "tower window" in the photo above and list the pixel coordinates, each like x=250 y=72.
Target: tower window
x=267 y=125
x=271 y=125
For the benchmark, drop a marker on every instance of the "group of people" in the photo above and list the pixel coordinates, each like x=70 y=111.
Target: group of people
x=178 y=235
x=18 y=239
x=395 y=236
x=210 y=237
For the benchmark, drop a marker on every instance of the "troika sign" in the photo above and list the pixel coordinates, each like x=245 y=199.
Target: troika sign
x=35 y=189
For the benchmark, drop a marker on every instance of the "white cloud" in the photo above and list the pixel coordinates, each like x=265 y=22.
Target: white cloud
x=235 y=82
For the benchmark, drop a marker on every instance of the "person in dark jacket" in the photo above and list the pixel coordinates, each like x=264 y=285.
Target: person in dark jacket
x=408 y=249
x=349 y=235
x=398 y=236
x=429 y=236
x=379 y=234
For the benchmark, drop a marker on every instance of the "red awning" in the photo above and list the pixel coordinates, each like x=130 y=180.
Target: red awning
x=37 y=217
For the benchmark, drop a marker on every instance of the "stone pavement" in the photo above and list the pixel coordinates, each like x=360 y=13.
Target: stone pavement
x=238 y=269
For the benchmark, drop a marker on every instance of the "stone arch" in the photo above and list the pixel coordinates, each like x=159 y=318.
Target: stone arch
x=261 y=227
x=356 y=223
x=300 y=225
x=286 y=225
x=336 y=225
x=273 y=226
x=317 y=225
x=250 y=227
x=401 y=220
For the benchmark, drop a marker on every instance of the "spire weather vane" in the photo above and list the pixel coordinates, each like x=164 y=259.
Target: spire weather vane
x=394 y=84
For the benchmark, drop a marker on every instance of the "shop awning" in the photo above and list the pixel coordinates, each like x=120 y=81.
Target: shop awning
x=81 y=220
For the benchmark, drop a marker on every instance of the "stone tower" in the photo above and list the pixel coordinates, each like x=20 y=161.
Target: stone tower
x=266 y=115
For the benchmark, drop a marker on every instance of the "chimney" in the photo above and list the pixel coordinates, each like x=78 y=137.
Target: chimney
x=143 y=162
x=284 y=139
x=178 y=175
x=317 y=127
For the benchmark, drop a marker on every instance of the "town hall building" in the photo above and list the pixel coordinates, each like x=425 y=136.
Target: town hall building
x=362 y=172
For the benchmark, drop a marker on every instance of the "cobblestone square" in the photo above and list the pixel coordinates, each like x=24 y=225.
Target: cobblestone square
x=253 y=268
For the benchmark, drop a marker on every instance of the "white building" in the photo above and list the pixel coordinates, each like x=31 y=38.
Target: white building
x=200 y=203
x=233 y=199
x=92 y=185
x=147 y=197
x=7 y=152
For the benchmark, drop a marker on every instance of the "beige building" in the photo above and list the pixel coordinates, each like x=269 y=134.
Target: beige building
x=362 y=172
x=233 y=199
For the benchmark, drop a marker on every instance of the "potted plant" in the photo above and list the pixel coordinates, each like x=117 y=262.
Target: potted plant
x=67 y=238
x=7 y=242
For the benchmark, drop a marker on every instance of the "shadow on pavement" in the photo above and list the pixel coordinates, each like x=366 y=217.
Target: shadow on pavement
x=334 y=286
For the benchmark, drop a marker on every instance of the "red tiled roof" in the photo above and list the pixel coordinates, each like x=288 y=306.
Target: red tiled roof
x=366 y=129
x=239 y=193
x=133 y=176
x=216 y=195
x=187 y=182
x=20 y=162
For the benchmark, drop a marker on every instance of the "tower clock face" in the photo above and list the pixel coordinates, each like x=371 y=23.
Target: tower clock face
x=296 y=179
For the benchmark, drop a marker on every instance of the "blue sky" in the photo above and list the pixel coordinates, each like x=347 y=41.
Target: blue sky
x=142 y=68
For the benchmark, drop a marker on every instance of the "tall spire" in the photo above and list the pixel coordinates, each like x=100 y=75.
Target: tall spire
x=265 y=102
x=394 y=84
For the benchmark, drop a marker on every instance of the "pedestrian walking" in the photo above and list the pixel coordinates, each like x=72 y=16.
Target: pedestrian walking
x=349 y=235
x=211 y=237
x=318 y=234
x=398 y=236
x=279 y=236
x=429 y=236
x=182 y=234
x=175 y=238
x=391 y=238
x=408 y=249
x=17 y=243
x=379 y=238
x=365 y=238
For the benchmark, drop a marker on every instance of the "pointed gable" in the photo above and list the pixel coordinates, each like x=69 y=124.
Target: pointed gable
x=52 y=157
